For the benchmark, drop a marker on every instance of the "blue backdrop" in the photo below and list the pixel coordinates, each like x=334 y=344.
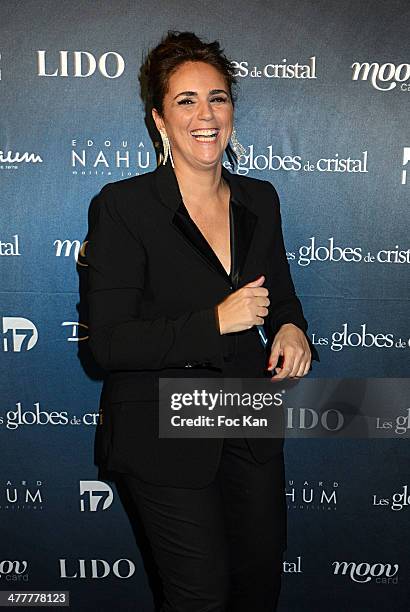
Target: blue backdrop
x=324 y=92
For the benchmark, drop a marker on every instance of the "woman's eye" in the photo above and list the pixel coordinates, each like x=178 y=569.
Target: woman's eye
x=217 y=100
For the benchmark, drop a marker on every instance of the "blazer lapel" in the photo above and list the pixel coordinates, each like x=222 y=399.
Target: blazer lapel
x=242 y=222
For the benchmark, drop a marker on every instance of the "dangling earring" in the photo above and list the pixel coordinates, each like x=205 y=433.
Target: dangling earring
x=167 y=148
x=238 y=148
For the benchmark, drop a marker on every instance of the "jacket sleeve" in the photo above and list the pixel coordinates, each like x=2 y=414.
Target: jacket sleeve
x=285 y=306
x=119 y=338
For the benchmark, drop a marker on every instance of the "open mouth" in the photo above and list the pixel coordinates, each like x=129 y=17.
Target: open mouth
x=205 y=135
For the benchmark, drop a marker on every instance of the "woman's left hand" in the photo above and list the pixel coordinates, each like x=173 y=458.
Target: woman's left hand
x=291 y=343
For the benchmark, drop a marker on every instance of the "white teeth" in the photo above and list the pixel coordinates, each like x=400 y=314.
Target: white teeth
x=204 y=132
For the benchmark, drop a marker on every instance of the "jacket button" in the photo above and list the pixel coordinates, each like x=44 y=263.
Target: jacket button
x=188 y=365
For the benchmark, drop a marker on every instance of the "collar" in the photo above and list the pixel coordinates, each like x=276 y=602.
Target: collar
x=170 y=195
x=242 y=218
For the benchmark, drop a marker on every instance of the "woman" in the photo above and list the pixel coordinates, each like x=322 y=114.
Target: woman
x=186 y=264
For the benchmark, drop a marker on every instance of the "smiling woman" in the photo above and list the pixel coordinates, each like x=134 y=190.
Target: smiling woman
x=186 y=264
x=197 y=122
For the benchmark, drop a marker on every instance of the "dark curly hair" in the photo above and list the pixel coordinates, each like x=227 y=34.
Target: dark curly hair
x=174 y=49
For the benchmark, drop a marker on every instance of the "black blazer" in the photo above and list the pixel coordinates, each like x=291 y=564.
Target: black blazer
x=154 y=282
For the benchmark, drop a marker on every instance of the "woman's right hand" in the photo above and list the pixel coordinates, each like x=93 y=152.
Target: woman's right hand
x=244 y=308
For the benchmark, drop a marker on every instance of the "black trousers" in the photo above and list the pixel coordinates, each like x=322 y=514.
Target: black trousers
x=218 y=548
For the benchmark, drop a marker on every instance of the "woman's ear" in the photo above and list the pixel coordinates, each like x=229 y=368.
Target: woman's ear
x=157 y=119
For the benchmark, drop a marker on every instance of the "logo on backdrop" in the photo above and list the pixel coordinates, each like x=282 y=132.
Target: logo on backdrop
x=76 y=330
x=10 y=249
x=283 y=70
x=82 y=64
x=406 y=160
x=327 y=251
x=307 y=495
x=95 y=495
x=397 y=501
x=293 y=567
x=119 y=158
x=12 y=160
x=19 y=334
x=348 y=338
x=384 y=77
x=66 y=248
x=21 y=495
x=13 y=419
x=295 y=163
x=365 y=572
x=13 y=570
x=96 y=568
x=109 y=157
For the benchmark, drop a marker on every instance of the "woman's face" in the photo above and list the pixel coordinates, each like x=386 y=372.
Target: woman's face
x=197 y=115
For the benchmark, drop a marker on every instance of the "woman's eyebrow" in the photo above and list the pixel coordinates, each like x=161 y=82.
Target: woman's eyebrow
x=217 y=91
x=186 y=93
x=212 y=92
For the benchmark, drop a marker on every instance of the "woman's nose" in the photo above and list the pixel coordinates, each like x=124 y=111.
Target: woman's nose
x=205 y=110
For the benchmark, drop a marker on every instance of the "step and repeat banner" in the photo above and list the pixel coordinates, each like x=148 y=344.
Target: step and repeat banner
x=323 y=112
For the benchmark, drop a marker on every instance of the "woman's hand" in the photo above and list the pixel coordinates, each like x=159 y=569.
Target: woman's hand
x=291 y=343
x=244 y=308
